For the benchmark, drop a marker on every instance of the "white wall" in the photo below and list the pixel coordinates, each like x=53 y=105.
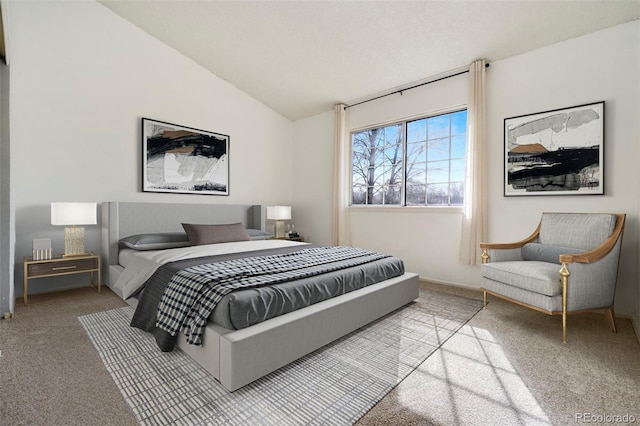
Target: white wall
x=82 y=78
x=313 y=150
x=601 y=66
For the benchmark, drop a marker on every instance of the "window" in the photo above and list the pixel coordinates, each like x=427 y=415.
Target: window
x=412 y=163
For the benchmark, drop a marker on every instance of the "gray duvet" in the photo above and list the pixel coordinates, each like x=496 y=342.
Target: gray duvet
x=244 y=308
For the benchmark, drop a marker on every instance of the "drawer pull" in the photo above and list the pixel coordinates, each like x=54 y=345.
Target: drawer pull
x=60 y=268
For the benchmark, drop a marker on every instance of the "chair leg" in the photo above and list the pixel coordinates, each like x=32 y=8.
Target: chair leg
x=484 y=300
x=564 y=279
x=611 y=318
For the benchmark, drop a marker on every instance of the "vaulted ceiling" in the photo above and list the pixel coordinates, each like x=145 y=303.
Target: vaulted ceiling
x=301 y=57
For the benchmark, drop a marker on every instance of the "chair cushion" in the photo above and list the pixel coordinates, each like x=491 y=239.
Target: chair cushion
x=585 y=231
x=546 y=252
x=531 y=275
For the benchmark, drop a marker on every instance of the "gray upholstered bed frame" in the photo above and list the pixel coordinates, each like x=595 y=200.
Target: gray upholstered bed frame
x=238 y=357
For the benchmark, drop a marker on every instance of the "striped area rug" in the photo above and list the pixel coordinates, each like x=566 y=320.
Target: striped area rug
x=335 y=385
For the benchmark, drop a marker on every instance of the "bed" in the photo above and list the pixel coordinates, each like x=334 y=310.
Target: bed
x=238 y=357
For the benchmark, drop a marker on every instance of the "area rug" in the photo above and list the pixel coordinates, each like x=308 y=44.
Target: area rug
x=335 y=385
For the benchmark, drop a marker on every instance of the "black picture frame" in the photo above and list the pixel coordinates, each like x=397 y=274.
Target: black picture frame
x=185 y=160
x=555 y=152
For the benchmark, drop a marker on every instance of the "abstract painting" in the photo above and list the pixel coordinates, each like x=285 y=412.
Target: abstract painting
x=557 y=152
x=184 y=160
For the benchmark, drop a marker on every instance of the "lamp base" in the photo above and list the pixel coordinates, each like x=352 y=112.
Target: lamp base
x=74 y=241
x=279 y=229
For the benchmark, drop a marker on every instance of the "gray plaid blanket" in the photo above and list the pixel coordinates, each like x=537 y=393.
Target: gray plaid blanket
x=194 y=292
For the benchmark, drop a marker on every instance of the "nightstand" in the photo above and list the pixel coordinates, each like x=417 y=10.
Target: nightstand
x=60 y=265
x=289 y=239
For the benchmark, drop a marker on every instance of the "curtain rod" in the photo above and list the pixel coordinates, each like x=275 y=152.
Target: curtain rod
x=412 y=87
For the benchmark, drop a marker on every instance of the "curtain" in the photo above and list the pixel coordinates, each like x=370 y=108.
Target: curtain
x=473 y=221
x=341 y=180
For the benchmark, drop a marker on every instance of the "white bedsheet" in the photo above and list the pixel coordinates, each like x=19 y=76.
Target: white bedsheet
x=126 y=256
x=144 y=263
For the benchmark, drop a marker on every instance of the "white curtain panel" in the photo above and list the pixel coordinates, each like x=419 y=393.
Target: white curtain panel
x=341 y=192
x=474 y=218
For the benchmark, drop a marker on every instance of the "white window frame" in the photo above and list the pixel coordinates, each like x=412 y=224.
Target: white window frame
x=402 y=206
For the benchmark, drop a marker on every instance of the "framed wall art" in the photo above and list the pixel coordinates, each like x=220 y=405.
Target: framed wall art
x=557 y=152
x=183 y=160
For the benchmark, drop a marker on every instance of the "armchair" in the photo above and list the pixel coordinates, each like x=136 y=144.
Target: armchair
x=569 y=264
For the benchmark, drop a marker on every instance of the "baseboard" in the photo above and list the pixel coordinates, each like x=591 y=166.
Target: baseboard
x=449 y=283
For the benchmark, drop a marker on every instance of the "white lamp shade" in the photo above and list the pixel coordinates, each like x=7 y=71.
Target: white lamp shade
x=74 y=214
x=279 y=212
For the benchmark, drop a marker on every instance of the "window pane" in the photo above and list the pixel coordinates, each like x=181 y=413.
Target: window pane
x=392 y=134
x=457 y=194
x=417 y=174
x=393 y=154
x=416 y=195
x=438 y=171
x=396 y=176
x=417 y=131
x=358 y=179
x=359 y=157
x=416 y=152
x=359 y=141
x=457 y=170
x=386 y=175
x=438 y=149
x=359 y=195
x=438 y=194
x=376 y=195
x=392 y=195
x=459 y=146
x=438 y=127
x=459 y=123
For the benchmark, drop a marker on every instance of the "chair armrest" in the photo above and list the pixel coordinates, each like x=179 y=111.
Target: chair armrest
x=517 y=244
x=600 y=251
x=513 y=253
x=502 y=246
x=501 y=255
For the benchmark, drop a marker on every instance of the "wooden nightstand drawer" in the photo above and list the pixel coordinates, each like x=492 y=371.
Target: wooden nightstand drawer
x=61 y=267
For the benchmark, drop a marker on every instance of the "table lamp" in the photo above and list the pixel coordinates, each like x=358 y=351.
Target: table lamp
x=279 y=214
x=73 y=214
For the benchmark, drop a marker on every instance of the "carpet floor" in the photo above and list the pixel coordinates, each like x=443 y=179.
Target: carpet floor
x=506 y=366
x=334 y=385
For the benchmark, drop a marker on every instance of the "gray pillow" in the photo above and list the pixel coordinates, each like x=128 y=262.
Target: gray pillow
x=546 y=252
x=256 y=234
x=157 y=241
x=212 y=234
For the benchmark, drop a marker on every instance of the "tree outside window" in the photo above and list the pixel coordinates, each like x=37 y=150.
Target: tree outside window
x=413 y=163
